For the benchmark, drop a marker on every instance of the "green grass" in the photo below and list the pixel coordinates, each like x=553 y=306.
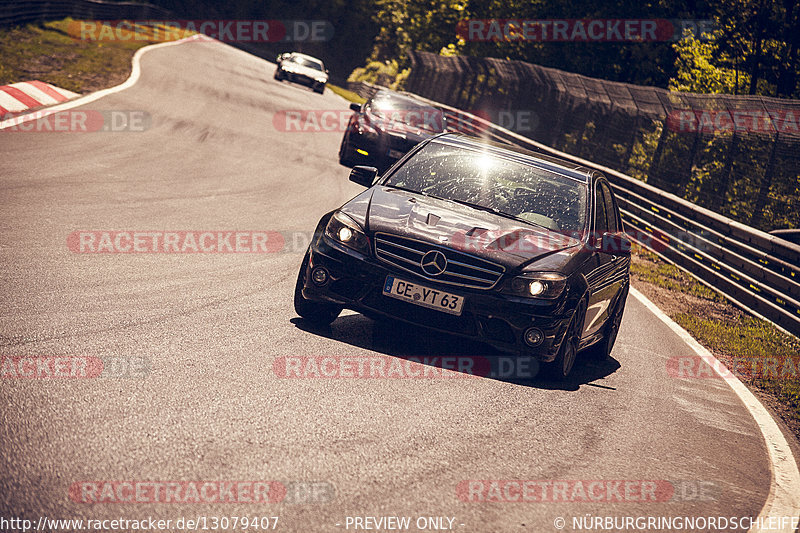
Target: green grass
x=347 y=95
x=670 y=277
x=48 y=53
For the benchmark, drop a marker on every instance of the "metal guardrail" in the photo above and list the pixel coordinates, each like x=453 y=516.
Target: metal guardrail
x=26 y=11
x=757 y=271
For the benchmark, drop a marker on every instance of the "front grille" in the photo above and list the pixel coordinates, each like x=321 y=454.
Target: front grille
x=462 y=269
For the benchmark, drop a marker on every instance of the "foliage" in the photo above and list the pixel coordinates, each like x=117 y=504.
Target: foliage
x=758 y=39
x=387 y=74
x=697 y=71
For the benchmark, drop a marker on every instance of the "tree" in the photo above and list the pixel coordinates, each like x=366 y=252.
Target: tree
x=697 y=72
x=762 y=36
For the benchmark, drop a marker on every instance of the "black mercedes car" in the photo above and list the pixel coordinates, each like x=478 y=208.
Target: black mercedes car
x=386 y=127
x=518 y=250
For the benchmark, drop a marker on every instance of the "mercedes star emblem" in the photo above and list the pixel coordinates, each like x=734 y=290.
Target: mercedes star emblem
x=433 y=263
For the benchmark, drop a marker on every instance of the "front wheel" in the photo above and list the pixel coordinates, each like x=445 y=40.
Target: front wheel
x=278 y=75
x=319 y=89
x=318 y=313
x=562 y=365
x=602 y=350
x=346 y=153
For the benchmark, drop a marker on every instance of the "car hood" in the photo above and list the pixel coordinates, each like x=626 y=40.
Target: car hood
x=304 y=71
x=401 y=129
x=496 y=238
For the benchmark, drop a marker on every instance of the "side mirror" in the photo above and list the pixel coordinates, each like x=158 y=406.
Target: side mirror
x=363 y=175
x=616 y=244
x=355 y=107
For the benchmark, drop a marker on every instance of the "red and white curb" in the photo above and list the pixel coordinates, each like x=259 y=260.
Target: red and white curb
x=25 y=95
x=91 y=97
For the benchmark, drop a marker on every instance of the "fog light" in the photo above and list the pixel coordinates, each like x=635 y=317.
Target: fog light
x=319 y=276
x=533 y=336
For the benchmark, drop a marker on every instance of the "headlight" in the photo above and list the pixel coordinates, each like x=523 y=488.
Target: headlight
x=346 y=231
x=547 y=285
x=364 y=126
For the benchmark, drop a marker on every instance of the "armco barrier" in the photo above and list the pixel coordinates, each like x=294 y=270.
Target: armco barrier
x=758 y=271
x=737 y=155
x=16 y=13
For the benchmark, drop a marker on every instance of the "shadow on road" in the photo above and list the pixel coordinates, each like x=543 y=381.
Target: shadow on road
x=406 y=341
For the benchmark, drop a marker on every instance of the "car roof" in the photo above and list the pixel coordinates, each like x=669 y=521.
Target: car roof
x=516 y=153
x=306 y=56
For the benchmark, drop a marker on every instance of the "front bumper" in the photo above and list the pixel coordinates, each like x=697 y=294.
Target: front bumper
x=302 y=79
x=356 y=282
x=383 y=149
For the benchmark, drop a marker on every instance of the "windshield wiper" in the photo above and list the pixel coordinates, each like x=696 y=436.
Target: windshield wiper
x=498 y=212
x=474 y=206
x=423 y=193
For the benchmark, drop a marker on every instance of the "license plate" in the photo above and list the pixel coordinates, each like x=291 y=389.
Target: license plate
x=395 y=154
x=424 y=296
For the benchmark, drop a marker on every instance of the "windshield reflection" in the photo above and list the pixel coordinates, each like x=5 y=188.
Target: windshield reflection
x=492 y=183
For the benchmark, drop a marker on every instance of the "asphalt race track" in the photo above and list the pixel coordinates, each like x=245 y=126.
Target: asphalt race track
x=209 y=327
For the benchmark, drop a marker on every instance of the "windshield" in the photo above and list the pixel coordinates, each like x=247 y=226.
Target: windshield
x=316 y=65
x=417 y=116
x=494 y=183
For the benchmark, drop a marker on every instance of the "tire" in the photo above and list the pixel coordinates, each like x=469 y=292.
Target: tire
x=562 y=365
x=278 y=74
x=602 y=350
x=345 y=153
x=320 y=89
x=317 y=313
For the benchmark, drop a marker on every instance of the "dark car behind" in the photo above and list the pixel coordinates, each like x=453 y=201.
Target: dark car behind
x=386 y=127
